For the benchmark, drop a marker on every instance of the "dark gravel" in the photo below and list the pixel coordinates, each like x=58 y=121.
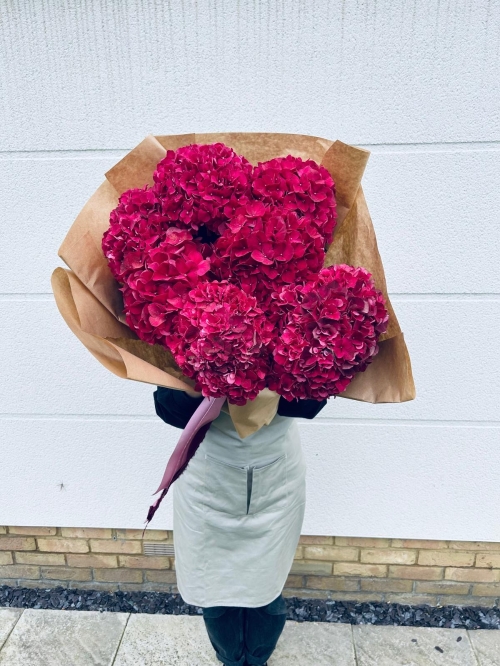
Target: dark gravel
x=300 y=610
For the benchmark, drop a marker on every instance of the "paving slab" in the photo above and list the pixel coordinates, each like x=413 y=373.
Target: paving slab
x=486 y=646
x=64 y=638
x=8 y=619
x=411 y=646
x=154 y=640
x=157 y=640
x=314 y=643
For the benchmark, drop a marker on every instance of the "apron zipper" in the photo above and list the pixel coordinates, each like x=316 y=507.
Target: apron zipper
x=249 y=485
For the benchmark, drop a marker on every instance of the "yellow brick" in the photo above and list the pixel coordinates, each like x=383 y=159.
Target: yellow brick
x=411 y=599
x=95 y=585
x=490 y=560
x=5 y=558
x=362 y=542
x=99 y=561
x=120 y=546
x=308 y=540
x=66 y=573
x=149 y=535
x=161 y=577
x=416 y=572
x=17 y=543
x=140 y=587
x=337 y=583
x=144 y=562
x=299 y=553
x=467 y=601
x=37 y=584
x=473 y=575
x=19 y=571
x=386 y=585
x=308 y=567
x=57 y=545
x=86 y=533
x=294 y=581
x=355 y=569
x=355 y=596
x=311 y=594
x=442 y=558
x=118 y=575
x=33 y=531
x=419 y=543
x=388 y=556
x=40 y=558
x=170 y=588
x=486 y=590
x=474 y=545
x=331 y=553
x=441 y=587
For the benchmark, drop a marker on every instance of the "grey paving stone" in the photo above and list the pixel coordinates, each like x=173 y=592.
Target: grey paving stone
x=486 y=646
x=158 y=640
x=412 y=646
x=154 y=640
x=64 y=638
x=8 y=618
x=315 y=644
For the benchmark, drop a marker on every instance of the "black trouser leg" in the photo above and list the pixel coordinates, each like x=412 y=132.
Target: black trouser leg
x=263 y=628
x=245 y=635
x=225 y=628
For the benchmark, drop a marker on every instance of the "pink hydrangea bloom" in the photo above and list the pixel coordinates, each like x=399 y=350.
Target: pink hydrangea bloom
x=300 y=186
x=201 y=185
x=328 y=331
x=221 y=340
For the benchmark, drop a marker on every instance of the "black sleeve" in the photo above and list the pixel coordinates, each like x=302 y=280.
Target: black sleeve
x=302 y=409
x=175 y=407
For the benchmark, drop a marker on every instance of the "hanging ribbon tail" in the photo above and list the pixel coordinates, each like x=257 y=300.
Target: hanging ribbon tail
x=191 y=438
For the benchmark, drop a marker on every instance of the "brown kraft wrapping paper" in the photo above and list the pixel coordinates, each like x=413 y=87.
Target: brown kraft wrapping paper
x=90 y=302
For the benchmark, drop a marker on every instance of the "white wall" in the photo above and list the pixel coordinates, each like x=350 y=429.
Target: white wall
x=82 y=81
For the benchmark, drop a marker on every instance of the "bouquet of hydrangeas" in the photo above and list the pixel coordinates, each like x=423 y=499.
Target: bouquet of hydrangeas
x=239 y=280
x=222 y=264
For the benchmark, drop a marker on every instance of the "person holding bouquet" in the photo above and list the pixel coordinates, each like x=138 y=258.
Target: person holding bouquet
x=228 y=296
x=222 y=263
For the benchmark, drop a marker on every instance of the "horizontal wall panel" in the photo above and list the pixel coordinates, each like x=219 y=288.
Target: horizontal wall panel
x=33 y=229
x=452 y=346
x=403 y=481
x=97 y=74
x=51 y=372
x=374 y=481
x=108 y=471
x=436 y=216
x=434 y=213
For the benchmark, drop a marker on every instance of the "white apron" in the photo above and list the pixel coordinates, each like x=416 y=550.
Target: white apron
x=238 y=511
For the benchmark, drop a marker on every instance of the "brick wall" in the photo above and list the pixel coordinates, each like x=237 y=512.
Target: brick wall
x=399 y=570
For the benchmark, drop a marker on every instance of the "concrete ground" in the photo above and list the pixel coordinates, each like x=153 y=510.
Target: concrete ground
x=89 y=638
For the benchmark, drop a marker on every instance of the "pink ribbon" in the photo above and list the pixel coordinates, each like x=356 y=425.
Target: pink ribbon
x=191 y=438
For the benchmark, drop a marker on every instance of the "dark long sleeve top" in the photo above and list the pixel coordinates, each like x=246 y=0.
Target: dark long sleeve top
x=177 y=407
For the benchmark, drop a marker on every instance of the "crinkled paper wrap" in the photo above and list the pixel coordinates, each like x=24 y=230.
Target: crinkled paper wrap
x=90 y=302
